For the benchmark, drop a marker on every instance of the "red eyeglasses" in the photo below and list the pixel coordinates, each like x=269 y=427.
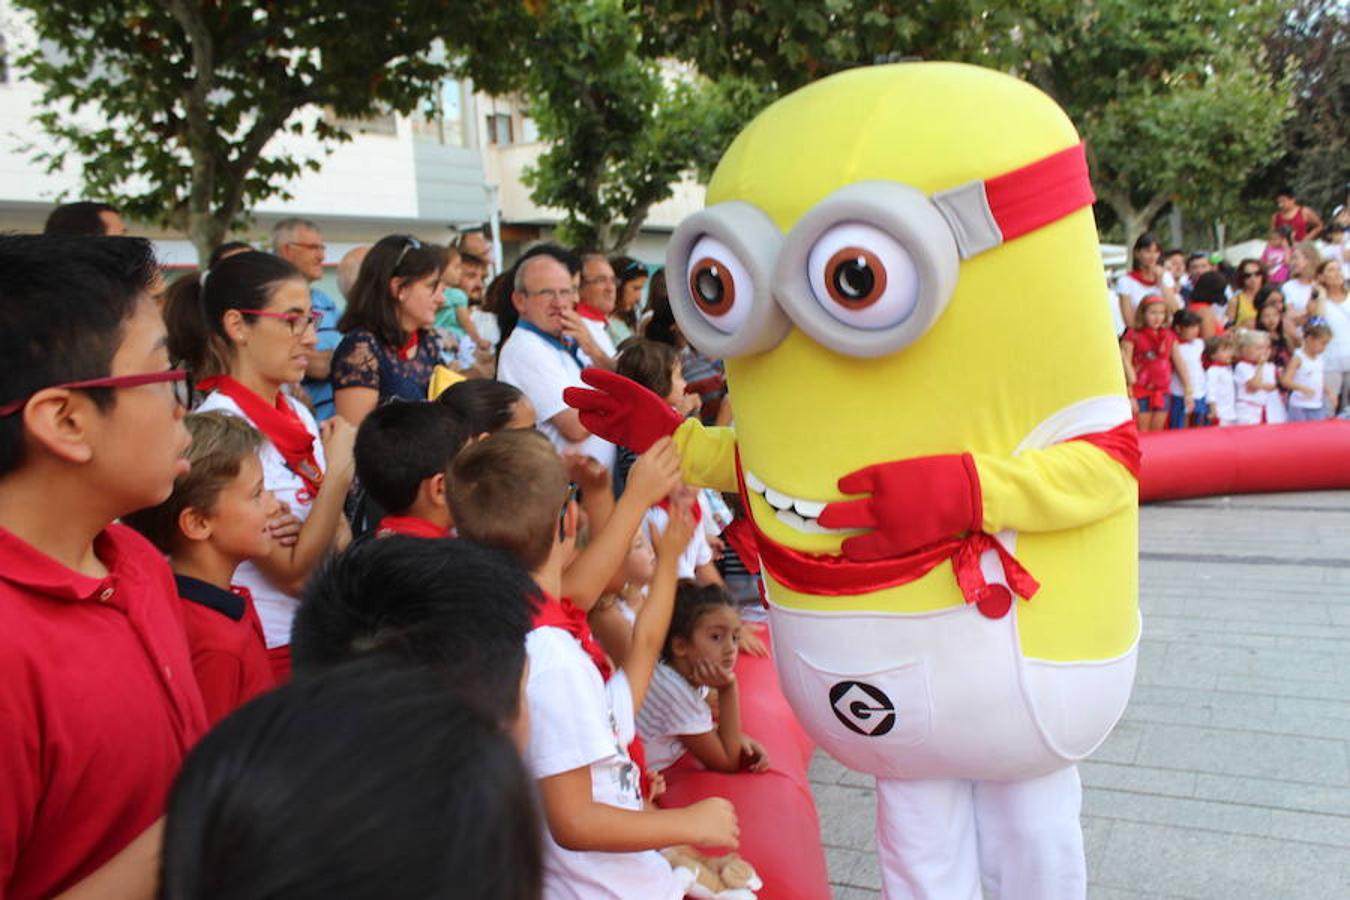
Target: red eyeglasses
x=299 y=322
x=182 y=387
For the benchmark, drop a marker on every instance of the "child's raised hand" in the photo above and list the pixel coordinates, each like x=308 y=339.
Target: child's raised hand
x=656 y=786
x=586 y=471
x=656 y=473
x=670 y=543
x=339 y=442
x=712 y=823
x=753 y=755
x=710 y=674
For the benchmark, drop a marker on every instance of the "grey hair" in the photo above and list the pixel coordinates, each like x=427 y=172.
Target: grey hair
x=518 y=283
x=284 y=231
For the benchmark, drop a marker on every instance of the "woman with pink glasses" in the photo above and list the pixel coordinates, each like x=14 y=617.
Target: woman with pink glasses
x=245 y=329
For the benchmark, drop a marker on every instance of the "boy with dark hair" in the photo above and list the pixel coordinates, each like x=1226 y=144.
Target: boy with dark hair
x=402 y=451
x=85 y=218
x=454 y=606
x=510 y=490
x=98 y=705
x=215 y=519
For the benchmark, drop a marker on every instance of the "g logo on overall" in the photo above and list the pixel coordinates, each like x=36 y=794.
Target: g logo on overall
x=862 y=708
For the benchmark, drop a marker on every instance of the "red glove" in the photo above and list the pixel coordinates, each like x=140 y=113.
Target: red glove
x=622 y=411
x=913 y=503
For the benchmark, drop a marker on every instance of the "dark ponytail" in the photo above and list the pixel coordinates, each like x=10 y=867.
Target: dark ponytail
x=196 y=304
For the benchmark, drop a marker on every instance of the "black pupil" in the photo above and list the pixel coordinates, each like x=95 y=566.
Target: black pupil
x=854 y=279
x=709 y=285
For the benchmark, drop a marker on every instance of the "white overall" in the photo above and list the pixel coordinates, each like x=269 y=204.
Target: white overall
x=965 y=734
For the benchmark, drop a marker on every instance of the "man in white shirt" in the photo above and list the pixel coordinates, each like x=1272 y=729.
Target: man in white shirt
x=540 y=360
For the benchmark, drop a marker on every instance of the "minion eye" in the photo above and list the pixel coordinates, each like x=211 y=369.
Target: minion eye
x=719 y=285
x=863 y=277
x=869 y=269
x=720 y=262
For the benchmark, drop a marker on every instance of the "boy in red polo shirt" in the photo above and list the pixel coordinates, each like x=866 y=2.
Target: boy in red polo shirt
x=215 y=519
x=402 y=451
x=98 y=705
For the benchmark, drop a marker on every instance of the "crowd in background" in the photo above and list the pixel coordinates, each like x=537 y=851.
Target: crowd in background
x=1267 y=341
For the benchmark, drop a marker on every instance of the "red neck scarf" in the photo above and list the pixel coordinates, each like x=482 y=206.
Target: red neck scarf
x=409 y=348
x=587 y=311
x=411 y=526
x=696 y=508
x=555 y=613
x=279 y=423
x=833 y=575
x=1143 y=279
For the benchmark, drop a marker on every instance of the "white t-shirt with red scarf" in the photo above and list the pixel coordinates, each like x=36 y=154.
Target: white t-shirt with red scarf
x=1136 y=286
x=276 y=608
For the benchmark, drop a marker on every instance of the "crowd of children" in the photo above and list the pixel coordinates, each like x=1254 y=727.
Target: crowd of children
x=442 y=686
x=1268 y=342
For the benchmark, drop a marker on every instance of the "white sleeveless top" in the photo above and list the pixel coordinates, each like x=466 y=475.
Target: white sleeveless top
x=276 y=608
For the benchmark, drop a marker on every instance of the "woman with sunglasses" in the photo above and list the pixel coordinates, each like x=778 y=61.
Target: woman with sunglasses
x=1242 y=306
x=245 y=329
x=389 y=346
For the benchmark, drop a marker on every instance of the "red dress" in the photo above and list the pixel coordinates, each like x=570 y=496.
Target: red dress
x=1152 y=362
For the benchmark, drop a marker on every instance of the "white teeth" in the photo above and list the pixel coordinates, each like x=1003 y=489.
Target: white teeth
x=809 y=526
x=808 y=508
x=792 y=511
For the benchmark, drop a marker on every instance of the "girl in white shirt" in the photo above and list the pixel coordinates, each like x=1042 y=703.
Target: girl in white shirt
x=700 y=653
x=1255 y=378
x=1303 y=377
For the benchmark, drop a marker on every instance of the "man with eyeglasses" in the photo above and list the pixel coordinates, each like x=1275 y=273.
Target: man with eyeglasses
x=542 y=360
x=300 y=243
x=588 y=323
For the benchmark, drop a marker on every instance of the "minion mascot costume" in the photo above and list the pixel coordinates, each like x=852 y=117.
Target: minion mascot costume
x=933 y=442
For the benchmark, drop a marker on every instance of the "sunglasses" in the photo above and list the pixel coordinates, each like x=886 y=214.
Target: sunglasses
x=1252 y=273
x=412 y=243
x=299 y=322
x=178 y=378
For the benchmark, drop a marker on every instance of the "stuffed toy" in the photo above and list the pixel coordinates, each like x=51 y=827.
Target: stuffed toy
x=932 y=439
x=715 y=877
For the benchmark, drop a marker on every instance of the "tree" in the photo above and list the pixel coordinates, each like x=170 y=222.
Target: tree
x=1173 y=96
x=1311 y=47
x=621 y=128
x=172 y=105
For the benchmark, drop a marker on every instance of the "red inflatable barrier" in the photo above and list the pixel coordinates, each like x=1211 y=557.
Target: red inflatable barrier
x=1251 y=459
x=780 y=832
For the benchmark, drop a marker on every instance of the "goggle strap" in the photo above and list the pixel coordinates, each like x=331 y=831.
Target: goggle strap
x=985 y=214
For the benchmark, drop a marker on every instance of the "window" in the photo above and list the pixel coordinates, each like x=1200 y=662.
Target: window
x=442 y=122
x=499 y=130
x=383 y=123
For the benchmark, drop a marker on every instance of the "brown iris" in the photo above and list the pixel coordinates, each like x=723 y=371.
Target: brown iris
x=712 y=286
x=855 y=278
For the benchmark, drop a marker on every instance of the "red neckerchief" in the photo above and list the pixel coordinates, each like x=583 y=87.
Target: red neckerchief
x=409 y=348
x=279 y=423
x=411 y=526
x=832 y=575
x=696 y=508
x=555 y=613
x=1139 y=277
x=587 y=311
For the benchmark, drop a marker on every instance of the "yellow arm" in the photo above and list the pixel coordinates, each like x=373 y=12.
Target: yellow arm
x=1068 y=485
x=707 y=455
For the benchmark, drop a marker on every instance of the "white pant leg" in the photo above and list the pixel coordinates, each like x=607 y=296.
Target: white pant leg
x=1030 y=837
x=926 y=840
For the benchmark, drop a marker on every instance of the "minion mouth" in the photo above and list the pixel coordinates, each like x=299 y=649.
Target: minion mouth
x=793 y=512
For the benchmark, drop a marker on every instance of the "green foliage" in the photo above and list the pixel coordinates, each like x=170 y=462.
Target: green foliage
x=621 y=130
x=171 y=104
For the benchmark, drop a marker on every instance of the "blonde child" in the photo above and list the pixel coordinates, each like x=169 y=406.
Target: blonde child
x=1146 y=349
x=1220 y=388
x=215 y=519
x=1255 y=378
x=1309 y=400
x=699 y=654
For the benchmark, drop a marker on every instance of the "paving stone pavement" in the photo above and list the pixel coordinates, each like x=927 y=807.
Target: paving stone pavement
x=1229 y=775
